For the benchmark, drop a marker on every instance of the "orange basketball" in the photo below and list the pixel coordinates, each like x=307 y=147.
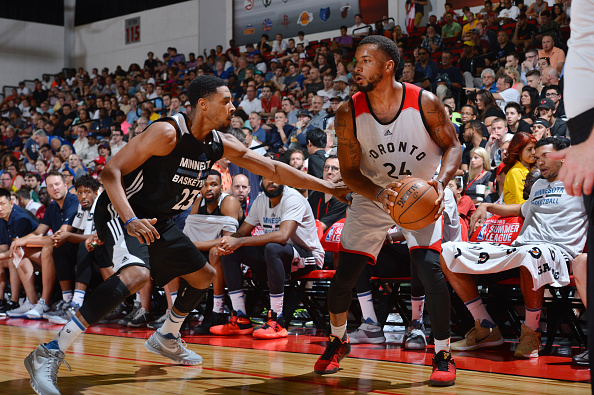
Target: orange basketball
x=414 y=207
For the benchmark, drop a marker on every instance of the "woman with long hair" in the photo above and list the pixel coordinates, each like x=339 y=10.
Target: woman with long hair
x=529 y=100
x=520 y=159
x=397 y=35
x=559 y=15
x=479 y=173
x=41 y=167
x=513 y=73
x=487 y=107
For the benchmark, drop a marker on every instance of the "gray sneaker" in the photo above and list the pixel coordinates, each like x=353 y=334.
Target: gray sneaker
x=20 y=312
x=415 y=338
x=36 y=313
x=57 y=310
x=42 y=365
x=174 y=349
x=367 y=334
x=66 y=315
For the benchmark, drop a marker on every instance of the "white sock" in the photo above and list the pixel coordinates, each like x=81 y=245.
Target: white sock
x=138 y=297
x=418 y=305
x=79 y=297
x=339 y=331
x=218 y=304
x=173 y=297
x=276 y=303
x=366 y=302
x=67 y=335
x=532 y=320
x=238 y=301
x=67 y=296
x=478 y=310
x=442 y=345
x=172 y=325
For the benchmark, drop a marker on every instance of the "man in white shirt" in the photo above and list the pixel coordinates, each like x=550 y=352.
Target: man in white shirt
x=81 y=143
x=509 y=13
x=251 y=103
x=328 y=92
x=358 y=24
x=505 y=93
x=116 y=143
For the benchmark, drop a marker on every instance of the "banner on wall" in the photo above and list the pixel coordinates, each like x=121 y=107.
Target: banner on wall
x=252 y=18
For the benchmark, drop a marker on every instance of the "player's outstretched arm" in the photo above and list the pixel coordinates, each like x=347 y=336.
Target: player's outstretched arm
x=158 y=140
x=443 y=132
x=276 y=171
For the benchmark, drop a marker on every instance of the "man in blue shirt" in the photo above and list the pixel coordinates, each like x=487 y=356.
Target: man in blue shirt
x=38 y=248
x=15 y=222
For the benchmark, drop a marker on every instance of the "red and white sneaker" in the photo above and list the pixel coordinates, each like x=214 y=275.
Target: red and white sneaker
x=444 y=370
x=336 y=350
x=237 y=325
x=274 y=328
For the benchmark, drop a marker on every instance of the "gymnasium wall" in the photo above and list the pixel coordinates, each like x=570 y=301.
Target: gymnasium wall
x=29 y=49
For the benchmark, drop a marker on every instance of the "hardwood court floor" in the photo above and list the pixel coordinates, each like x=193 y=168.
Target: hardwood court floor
x=109 y=360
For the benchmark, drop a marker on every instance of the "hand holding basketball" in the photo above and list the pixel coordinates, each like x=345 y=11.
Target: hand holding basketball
x=417 y=204
x=439 y=187
x=387 y=195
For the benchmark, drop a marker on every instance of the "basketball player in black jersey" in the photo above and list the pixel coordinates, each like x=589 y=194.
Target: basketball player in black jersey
x=156 y=176
x=393 y=114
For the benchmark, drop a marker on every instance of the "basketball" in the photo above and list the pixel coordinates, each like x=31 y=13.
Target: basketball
x=414 y=207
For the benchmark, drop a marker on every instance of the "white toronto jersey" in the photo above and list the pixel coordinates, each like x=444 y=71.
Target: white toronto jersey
x=401 y=147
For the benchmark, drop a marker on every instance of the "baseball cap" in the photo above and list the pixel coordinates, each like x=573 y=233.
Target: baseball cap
x=304 y=112
x=341 y=78
x=103 y=145
x=336 y=98
x=100 y=160
x=91 y=96
x=120 y=112
x=546 y=103
x=259 y=72
x=92 y=134
x=542 y=122
x=275 y=60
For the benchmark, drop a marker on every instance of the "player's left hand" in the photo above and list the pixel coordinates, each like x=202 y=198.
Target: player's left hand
x=440 y=195
x=227 y=245
x=59 y=238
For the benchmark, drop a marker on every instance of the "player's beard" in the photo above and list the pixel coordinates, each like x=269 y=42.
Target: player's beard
x=276 y=193
x=371 y=83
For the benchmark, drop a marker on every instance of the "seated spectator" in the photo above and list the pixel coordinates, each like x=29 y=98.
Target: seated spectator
x=471 y=66
x=15 y=222
x=251 y=104
x=509 y=13
x=318 y=113
x=555 y=55
x=554 y=233
x=297 y=140
x=25 y=201
x=327 y=208
x=316 y=144
x=555 y=94
x=515 y=123
x=518 y=163
x=503 y=49
x=505 y=92
x=487 y=107
x=341 y=87
x=523 y=32
x=290 y=246
x=328 y=91
x=451 y=28
x=214 y=214
x=448 y=78
x=535 y=8
x=546 y=110
x=116 y=143
x=488 y=77
x=17 y=179
x=344 y=43
x=240 y=188
x=529 y=101
x=432 y=42
x=473 y=138
x=270 y=103
x=471 y=22
x=477 y=182
x=547 y=26
x=540 y=129
x=87 y=156
x=38 y=248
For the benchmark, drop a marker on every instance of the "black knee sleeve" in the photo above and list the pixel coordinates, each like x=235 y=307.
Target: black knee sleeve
x=437 y=294
x=341 y=287
x=416 y=286
x=106 y=297
x=188 y=297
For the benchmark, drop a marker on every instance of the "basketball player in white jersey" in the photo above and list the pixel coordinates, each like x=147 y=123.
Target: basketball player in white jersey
x=389 y=130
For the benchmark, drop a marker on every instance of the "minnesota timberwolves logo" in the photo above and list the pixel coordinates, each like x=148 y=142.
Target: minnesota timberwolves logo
x=325 y=14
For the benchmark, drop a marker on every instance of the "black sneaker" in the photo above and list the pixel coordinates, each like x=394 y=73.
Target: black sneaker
x=124 y=321
x=212 y=319
x=115 y=316
x=8 y=305
x=336 y=350
x=141 y=319
x=582 y=359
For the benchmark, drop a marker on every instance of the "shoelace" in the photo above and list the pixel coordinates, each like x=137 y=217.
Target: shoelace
x=270 y=324
x=139 y=313
x=54 y=365
x=332 y=349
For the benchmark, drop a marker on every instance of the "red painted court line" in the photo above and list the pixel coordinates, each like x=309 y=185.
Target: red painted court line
x=262 y=376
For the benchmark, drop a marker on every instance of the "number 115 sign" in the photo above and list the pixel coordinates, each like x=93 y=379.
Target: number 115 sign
x=133 y=30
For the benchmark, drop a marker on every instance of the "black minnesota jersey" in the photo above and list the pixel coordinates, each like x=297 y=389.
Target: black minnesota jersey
x=165 y=186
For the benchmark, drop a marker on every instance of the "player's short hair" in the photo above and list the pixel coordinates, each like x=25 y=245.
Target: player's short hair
x=87 y=181
x=317 y=137
x=557 y=144
x=213 y=172
x=202 y=87
x=24 y=193
x=516 y=106
x=384 y=44
x=476 y=125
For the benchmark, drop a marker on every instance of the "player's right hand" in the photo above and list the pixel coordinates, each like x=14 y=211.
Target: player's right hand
x=143 y=230
x=478 y=218
x=384 y=196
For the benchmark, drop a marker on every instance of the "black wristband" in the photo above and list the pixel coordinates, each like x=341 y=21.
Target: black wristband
x=441 y=182
x=379 y=193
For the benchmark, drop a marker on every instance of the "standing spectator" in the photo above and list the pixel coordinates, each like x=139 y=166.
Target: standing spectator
x=316 y=144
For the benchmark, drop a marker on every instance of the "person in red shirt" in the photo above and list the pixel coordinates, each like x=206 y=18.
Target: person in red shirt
x=465 y=206
x=270 y=102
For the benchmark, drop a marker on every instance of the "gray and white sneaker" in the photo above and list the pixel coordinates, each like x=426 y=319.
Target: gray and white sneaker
x=42 y=365
x=66 y=315
x=158 y=323
x=20 y=312
x=124 y=321
x=57 y=310
x=415 y=338
x=174 y=349
x=367 y=333
x=36 y=313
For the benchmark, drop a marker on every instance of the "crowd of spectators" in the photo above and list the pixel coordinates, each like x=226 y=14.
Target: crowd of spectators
x=497 y=72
